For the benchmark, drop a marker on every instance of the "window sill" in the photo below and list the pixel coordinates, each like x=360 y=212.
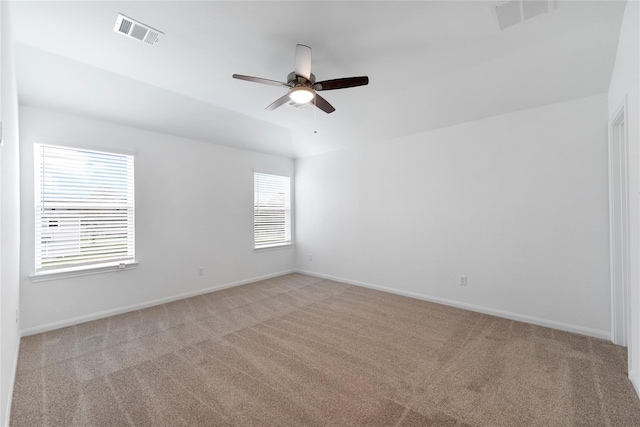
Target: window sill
x=273 y=247
x=65 y=273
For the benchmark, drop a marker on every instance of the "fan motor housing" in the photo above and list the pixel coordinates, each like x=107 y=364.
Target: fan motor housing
x=295 y=80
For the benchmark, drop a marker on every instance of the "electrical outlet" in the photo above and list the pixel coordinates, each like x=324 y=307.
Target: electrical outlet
x=463 y=280
x=201 y=271
x=310 y=257
x=17 y=315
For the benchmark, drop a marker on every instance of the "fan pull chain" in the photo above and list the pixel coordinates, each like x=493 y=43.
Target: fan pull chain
x=315 y=115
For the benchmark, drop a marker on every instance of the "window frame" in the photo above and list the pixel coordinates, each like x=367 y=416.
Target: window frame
x=98 y=266
x=290 y=232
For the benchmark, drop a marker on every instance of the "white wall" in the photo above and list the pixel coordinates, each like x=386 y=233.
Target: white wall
x=194 y=208
x=9 y=216
x=517 y=202
x=624 y=81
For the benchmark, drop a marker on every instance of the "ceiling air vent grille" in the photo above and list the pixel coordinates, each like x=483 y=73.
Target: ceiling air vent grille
x=134 y=29
x=516 y=11
x=125 y=26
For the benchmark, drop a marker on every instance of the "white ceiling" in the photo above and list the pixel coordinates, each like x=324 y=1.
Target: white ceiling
x=430 y=64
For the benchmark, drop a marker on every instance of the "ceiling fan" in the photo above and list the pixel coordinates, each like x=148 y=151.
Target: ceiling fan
x=302 y=84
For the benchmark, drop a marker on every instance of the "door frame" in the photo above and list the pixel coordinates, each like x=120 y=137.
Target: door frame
x=619 y=212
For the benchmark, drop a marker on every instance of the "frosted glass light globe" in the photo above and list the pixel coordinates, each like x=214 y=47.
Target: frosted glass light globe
x=301 y=94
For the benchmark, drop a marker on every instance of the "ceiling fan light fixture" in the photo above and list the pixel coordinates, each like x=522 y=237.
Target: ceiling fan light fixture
x=302 y=84
x=301 y=94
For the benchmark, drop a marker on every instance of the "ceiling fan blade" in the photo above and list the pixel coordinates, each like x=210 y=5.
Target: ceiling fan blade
x=341 y=83
x=259 y=80
x=278 y=102
x=302 y=62
x=323 y=104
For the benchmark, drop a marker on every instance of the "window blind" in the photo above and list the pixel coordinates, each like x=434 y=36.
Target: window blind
x=84 y=207
x=272 y=210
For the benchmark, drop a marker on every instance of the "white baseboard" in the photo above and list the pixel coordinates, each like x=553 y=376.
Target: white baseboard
x=634 y=383
x=480 y=309
x=95 y=316
x=12 y=382
x=606 y=335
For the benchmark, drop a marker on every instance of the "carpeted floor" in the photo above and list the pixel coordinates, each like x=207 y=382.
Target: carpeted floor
x=298 y=350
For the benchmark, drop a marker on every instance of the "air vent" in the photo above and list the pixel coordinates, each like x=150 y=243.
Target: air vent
x=134 y=29
x=516 y=11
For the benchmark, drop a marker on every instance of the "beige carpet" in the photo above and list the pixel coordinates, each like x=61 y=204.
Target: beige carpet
x=298 y=350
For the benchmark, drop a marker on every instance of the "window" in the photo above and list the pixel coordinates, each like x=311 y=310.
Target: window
x=271 y=210
x=84 y=212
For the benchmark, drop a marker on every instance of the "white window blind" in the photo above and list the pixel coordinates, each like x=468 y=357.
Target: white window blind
x=272 y=210
x=84 y=207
